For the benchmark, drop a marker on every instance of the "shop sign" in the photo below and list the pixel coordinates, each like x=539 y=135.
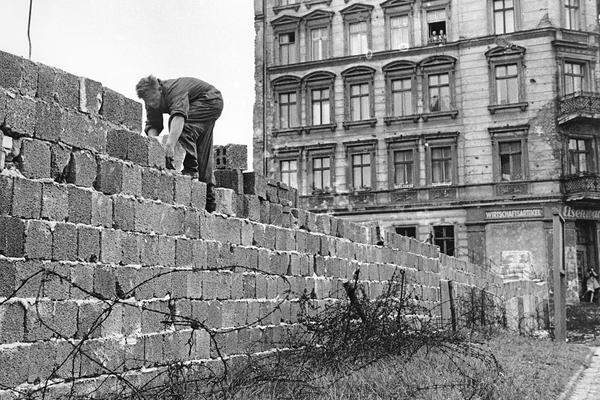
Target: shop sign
x=573 y=213
x=514 y=214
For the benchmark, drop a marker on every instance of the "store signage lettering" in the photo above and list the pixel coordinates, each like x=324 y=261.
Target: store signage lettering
x=511 y=214
x=572 y=213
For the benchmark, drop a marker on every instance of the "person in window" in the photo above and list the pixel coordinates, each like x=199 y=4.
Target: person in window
x=435 y=103
x=592 y=283
x=193 y=107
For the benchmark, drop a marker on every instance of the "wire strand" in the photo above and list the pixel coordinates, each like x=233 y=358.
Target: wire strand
x=29 y=27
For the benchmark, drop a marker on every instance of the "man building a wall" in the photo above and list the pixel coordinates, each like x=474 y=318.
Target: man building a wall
x=193 y=107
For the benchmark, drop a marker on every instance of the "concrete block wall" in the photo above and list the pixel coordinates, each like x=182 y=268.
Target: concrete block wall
x=110 y=265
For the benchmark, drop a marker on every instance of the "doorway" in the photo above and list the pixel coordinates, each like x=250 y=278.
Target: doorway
x=586 y=252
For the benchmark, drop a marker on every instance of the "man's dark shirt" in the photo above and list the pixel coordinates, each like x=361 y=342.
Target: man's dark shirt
x=181 y=97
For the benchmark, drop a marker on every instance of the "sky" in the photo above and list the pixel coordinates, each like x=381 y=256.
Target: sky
x=117 y=42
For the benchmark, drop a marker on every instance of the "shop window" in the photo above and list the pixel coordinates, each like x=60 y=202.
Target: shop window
x=504 y=16
x=403 y=167
x=507 y=81
x=289 y=172
x=574 y=77
x=408 y=231
x=357 y=29
x=443 y=236
x=511 y=161
x=571 y=11
x=359 y=102
x=437 y=31
x=580 y=155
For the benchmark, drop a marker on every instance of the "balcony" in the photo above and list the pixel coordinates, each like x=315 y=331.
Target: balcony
x=581 y=188
x=580 y=105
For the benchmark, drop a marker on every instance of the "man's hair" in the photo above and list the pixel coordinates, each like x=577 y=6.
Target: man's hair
x=145 y=85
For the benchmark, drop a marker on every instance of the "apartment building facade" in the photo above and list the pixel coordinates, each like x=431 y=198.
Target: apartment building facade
x=464 y=122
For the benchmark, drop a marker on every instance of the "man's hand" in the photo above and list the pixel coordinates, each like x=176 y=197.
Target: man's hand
x=152 y=133
x=170 y=147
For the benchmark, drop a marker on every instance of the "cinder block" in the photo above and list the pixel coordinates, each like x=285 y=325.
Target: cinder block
x=198 y=195
x=83 y=132
x=275 y=214
x=149 y=251
x=166 y=187
x=230 y=179
x=58 y=86
x=184 y=253
x=88 y=243
x=18 y=74
x=224 y=199
x=191 y=224
x=171 y=220
x=251 y=207
x=89 y=207
x=12 y=322
x=82 y=169
x=120 y=110
x=6 y=194
x=34 y=159
x=55 y=202
x=231 y=156
x=150 y=183
x=145 y=151
x=59 y=161
x=90 y=96
x=165 y=251
x=20 y=117
x=182 y=190
x=117 y=177
x=104 y=283
x=49 y=121
x=131 y=246
x=37 y=240
x=255 y=184
x=110 y=246
x=64 y=247
x=124 y=212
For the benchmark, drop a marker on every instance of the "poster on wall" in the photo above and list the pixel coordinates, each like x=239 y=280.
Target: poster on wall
x=517 y=264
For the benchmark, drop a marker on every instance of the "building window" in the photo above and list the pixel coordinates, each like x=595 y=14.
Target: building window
x=408 y=231
x=320 y=106
x=443 y=236
x=441 y=165
x=286 y=93
x=402 y=101
x=403 y=167
x=510 y=156
x=507 y=78
x=359 y=101
x=571 y=14
x=319 y=39
x=399 y=32
x=358 y=88
x=289 y=172
x=510 y=161
x=361 y=170
x=507 y=84
x=574 y=77
x=400 y=78
x=439 y=92
x=287 y=48
x=321 y=173
x=358 y=38
x=437 y=31
x=286 y=34
x=288 y=110
x=504 y=16
x=357 y=28
x=580 y=155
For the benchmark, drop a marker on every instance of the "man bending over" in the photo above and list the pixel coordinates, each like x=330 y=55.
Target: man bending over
x=193 y=107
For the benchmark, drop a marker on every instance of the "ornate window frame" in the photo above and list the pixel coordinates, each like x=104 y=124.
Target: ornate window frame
x=500 y=56
x=320 y=151
x=357 y=13
x=575 y=53
x=360 y=147
x=289 y=154
x=434 y=5
x=282 y=25
x=315 y=20
x=399 y=144
x=440 y=139
x=492 y=20
x=310 y=3
x=592 y=163
x=358 y=75
x=397 y=8
x=319 y=80
x=503 y=134
x=287 y=84
x=393 y=71
x=438 y=65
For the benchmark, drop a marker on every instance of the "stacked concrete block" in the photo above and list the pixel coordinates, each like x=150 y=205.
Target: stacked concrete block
x=101 y=247
x=231 y=156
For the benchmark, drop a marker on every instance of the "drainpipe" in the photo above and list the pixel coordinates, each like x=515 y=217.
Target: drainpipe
x=264 y=88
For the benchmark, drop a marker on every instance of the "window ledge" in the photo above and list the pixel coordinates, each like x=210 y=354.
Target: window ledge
x=365 y=122
x=321 y=192
x=440 y=114
x=311 y=3
x=332 y=127
x=499 y=107
x=413 y=117
x=278 y=9
x=442 y=185
x=289 y=131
